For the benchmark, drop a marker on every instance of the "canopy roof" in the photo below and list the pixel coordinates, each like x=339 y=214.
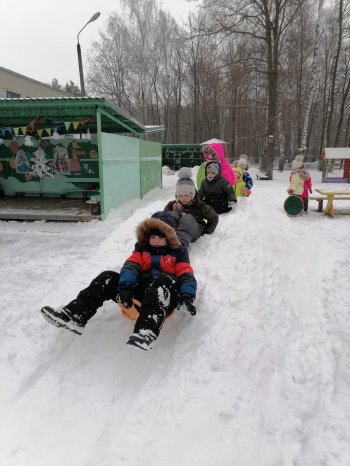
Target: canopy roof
x=55 y=111
x=336 y=153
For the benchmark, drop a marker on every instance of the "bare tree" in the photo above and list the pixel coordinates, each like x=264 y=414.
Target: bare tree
x=334 y=71
x=266 y=22
x=303 y=145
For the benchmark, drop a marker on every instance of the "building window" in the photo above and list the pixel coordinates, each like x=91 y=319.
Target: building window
x=12 y=95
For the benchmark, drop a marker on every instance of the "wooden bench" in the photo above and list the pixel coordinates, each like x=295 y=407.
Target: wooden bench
x=319 y=198
x=331 y=196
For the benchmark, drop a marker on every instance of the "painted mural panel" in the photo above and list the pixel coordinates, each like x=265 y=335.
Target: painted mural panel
x=54 y=166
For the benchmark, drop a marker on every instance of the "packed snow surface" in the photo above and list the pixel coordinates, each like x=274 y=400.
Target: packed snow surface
x=260 y=376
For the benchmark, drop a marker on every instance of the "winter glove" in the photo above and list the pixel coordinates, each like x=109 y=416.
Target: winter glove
x=125 y=294
x=186 y=302
x=310 y=191
x=290 y=191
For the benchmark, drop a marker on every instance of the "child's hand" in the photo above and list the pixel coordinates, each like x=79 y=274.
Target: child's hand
x=125 y=295
x=187 y=302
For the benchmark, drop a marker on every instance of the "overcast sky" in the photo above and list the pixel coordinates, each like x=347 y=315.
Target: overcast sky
x=38 y=38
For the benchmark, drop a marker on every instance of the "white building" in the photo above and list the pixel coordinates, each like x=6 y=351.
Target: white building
x=15 y=85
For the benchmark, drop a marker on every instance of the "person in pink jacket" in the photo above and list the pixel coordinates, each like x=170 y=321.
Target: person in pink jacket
x=214 y=152
x=300 y=182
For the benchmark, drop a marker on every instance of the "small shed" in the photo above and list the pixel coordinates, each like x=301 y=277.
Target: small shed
x=76 y=147
x=336 y=165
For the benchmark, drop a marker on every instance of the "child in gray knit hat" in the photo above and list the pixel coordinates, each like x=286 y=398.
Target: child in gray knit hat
x=185 y=185
x=190 y=216
x=216 y=191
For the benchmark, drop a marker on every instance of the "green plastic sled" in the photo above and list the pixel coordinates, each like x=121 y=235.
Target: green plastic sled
x=293 y=205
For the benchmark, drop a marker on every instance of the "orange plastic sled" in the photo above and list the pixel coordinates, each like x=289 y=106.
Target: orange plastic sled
x=133 y=312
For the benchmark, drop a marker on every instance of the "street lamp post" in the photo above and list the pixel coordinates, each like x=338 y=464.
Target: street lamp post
x=81 y=73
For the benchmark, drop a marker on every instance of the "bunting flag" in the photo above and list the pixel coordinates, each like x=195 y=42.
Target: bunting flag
x=87 y=120
x=31 y=125
x=30 y=129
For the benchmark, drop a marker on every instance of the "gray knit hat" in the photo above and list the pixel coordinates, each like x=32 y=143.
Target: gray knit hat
x=213 y=168
x=185 y=185
x=297 y=162
x=243 y=161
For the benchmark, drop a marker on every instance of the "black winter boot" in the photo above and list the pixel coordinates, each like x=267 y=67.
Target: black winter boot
x=142 y=340
x=160 y=298
x=62 y=318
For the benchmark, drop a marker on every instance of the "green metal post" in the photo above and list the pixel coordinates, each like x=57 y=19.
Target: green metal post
x=100 y=159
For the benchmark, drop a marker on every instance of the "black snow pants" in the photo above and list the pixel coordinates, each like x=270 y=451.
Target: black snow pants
x=306 y=204
x=158 y=295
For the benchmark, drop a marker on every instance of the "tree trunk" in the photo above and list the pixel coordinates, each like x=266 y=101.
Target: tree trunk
x=334 y=73
x=341 y=114
x=304 y=145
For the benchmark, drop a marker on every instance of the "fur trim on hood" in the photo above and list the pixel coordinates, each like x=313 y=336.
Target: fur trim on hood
x=304 y=174
x=143 y=229
x=213 y=152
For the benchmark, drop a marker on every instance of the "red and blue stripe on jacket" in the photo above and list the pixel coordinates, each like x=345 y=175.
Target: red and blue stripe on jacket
x=148 y=261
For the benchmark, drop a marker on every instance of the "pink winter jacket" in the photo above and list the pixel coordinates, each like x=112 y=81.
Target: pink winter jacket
x=214 y=152
x=300 y=177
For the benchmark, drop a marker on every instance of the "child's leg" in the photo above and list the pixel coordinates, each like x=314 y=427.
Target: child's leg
x=159 y=299
x=102 y=288
x=188 y=230
x=306 y=204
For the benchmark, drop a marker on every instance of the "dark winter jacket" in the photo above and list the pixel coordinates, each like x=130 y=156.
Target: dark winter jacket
x=247 y=179
x=147 y=261
x=204 y=215
x=217 y=193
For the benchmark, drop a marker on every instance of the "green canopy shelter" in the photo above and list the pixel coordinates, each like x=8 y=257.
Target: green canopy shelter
x=77 y=147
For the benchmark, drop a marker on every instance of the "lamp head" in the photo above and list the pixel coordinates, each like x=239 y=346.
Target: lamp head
x=94 y=17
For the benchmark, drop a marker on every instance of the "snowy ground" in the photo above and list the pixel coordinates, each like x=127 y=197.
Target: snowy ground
x=259 y=377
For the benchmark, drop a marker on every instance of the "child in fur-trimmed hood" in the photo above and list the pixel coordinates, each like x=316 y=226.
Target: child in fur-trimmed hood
x=214 y=152
x=158 y=273
x=300 y=181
